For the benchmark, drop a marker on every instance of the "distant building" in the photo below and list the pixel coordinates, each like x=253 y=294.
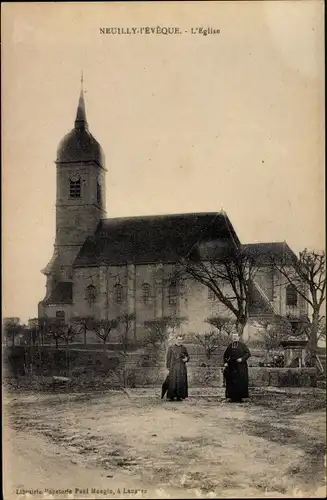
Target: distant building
x=11 y=321
x=11 y=331
x=104 y=267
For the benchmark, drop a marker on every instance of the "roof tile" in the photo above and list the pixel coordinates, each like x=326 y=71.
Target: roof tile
x=161 y=238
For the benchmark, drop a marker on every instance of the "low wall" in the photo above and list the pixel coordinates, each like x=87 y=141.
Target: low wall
x=283 y=377
x=213 y=377
x=142 y=370
x=51 y=361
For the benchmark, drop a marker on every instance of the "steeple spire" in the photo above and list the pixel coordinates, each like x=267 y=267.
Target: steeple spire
x=81 y=122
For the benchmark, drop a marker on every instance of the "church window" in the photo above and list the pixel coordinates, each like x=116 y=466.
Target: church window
x=74 y=188
x=291 y=295
x=146 y=293
x=211 y=295
x=118 y=294
x=90 y=294
x=172 y=294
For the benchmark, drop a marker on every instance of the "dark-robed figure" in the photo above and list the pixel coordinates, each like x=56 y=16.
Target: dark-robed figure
x=236 y=370
x=176 y=381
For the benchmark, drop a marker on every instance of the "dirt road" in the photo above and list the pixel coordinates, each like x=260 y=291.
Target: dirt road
x=111 y=446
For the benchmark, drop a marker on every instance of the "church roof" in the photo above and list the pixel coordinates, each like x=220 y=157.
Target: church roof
x=61 y=294
x=265 y=253
x=149 y=239
x=79 y=145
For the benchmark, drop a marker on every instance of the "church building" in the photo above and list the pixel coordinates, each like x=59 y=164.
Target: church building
x=103 y=267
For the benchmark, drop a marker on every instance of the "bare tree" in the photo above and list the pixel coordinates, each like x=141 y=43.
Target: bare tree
x=304 y=326
x=322 y=330
x=53 y=328
x=68 y=333
x=126 y=321
x=223 y=324
x=11 y=330
x=275 y=329
x=212 y=340
x=47 y=328
x=229 y=275
x=307 y=274
x=157 y=331
x=103 y=329
x=158 y=328
x=176 y=321
x=84 y=323
x=34 y=333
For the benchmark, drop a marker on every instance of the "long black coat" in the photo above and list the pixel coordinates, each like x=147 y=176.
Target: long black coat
x=236 y=373
x=177 y=377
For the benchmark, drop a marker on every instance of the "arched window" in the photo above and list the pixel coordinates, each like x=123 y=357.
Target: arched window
x=90 y=294
x=146 y=293
x=75 y=187
x=211 y=295
x=291 y=295
x=118 y=294
x=172 y=294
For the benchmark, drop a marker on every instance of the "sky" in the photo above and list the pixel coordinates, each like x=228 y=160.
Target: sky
x=188 y=123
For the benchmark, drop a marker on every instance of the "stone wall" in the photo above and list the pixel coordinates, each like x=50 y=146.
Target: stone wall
x=140 y=369
x=213 y=377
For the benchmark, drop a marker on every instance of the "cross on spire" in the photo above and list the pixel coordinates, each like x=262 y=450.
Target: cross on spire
x=81 y=122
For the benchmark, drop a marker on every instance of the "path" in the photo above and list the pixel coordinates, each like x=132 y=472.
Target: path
x=202 y=447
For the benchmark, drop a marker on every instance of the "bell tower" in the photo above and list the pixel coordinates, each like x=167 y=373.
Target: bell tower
x=80 y=198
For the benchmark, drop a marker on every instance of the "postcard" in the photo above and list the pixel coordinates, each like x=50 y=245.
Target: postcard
x=163 y=250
